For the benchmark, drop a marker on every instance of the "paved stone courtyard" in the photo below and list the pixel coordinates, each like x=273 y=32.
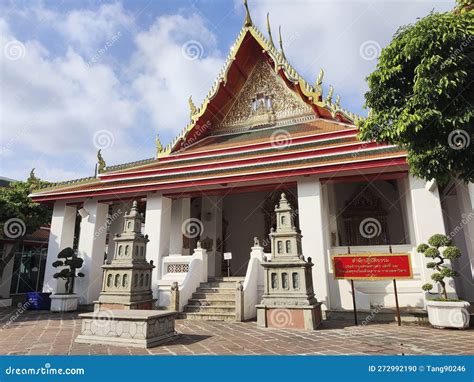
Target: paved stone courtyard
x=44 y=333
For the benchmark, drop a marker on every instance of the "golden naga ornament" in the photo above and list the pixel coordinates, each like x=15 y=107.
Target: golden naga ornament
x=319 y=82
x=281 y=43
x=192 y=107
x=269 y=29
x=159 y=146
x=100 y=162
x=330 y=93
x=248 y=19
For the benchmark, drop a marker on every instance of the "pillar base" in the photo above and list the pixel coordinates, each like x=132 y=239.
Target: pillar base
x=289 y=317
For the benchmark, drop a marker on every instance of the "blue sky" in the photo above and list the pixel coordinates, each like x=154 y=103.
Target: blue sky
x=77 y=76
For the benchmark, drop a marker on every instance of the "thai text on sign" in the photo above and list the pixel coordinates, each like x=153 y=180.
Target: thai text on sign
x=372 y=266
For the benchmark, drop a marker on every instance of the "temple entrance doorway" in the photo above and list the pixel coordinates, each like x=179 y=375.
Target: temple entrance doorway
x=245 y=216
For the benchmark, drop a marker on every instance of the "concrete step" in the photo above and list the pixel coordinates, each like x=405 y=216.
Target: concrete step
x=213 y=296
x=208 y=316
x=231 y=278
x=209 y=309
x=219 y=284
x=215 y=290
x=209 y=302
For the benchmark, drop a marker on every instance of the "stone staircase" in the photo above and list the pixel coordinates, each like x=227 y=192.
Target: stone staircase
x=213 y=300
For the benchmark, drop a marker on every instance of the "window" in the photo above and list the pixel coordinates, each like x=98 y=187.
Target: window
x=367 y=214
x=288 y=246
x=284 y=280
x=296 y=280
x=274 y=281
x=280 y=246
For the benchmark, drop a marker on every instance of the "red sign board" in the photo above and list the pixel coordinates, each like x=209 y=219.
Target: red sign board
x=372 y=266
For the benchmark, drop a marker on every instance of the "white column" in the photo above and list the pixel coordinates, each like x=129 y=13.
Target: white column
x=180 y=212
x=61 y=235
x=157 y=227
x=465 y=196
x=92 y=249
x=427 y=219
x=211 y=216
x=313 y=225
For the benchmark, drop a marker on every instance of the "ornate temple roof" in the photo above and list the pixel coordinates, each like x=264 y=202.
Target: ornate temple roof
x=260 y=120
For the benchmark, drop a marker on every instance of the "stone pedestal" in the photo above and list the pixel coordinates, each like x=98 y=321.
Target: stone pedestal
x=288 y=300
x=137 y=328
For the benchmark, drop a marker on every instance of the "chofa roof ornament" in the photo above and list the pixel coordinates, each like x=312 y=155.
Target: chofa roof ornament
x=248 y=19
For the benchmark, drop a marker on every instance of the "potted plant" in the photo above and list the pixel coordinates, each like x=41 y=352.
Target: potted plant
x=443 y=312
x=69 y=264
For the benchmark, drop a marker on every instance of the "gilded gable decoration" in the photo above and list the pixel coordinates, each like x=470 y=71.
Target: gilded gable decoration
x=264 y=100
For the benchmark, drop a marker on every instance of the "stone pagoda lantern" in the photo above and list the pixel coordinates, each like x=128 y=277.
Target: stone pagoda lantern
x=288 y=300
x=127 y=277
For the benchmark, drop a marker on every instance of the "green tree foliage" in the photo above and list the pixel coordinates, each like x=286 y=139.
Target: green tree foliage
x=15 y=204
x=432 y=250
x=421 y=95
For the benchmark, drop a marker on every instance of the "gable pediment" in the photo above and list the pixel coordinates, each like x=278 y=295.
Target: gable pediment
x=264 y=100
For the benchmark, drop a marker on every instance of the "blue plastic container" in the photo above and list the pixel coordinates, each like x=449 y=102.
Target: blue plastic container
x=38 y=301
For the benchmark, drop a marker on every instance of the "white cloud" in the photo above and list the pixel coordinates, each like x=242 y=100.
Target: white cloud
x=175 y=58
x=57 y=102
x=329 y=35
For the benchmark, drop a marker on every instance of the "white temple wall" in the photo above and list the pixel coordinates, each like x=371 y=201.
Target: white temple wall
x=157 y=227
x=180 y=214
x=61 y=236
x=92 y=249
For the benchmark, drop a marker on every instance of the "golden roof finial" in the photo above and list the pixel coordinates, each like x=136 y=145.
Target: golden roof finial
x=338 y=101
x=330 y=93
x=192 y=107
x=281 y=42
x=248 y=19
x=319 y=82
x=100 y=162
x=269 y=29
x=159 y=146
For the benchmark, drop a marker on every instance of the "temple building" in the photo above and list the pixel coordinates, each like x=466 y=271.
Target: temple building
x=261 y=131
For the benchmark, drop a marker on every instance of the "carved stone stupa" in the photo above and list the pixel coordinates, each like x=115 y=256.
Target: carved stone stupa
x=127 y=277
x=288 y=300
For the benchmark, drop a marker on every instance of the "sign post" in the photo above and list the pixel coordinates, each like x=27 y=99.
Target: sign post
x=228 y=257
x=399 y=320
x=371 y=267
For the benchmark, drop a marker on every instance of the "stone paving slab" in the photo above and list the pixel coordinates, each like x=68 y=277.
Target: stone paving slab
x=45 y=333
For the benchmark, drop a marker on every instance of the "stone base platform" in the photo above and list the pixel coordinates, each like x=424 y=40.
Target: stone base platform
x=136 y=328
x=142 y=305
x=289 y=317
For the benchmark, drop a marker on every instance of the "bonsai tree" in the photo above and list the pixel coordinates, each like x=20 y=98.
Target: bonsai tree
x=71 y=263
x=432 y=250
